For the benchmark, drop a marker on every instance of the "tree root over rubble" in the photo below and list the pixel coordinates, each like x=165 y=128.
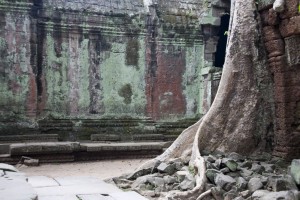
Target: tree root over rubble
x=239 y=117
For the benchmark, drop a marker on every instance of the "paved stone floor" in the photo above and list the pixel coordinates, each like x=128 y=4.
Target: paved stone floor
x=14 y=185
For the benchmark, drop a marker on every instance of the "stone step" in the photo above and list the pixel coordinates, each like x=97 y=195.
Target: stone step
x=29 y=138
x=44 y=148
x=53 y=152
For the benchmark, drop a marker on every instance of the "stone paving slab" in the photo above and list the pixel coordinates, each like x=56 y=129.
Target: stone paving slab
x=63 y=197
x=42 y=181
x=97 y=188
x=6 y=167
x=95 y=197
x=127 y=196
x=15 y=189
x=66 y=181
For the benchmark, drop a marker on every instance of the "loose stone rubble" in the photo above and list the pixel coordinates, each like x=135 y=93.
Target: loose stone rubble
x=229 y=177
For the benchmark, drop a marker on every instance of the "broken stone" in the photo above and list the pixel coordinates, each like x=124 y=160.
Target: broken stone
x=236 y=156
x=225 y=182
x=232 y=194
x=156 y=181
x=239 y=198
x=218 y=163
x=246 y=173
x=255 y=184
x=245 y=193
x=265 y=195
x=269 y=168
x=211 y=175
x=257 y=168
x=217 y=193
x=211 y=159
x=181 y=175
x=167 y=168
x=241 y=183
x=169 y=179
x=295 y=171
x=139 y=173
x=188 y=183
x=31 y=162
x=225 y=170
x=281 y=183
x=246 y=164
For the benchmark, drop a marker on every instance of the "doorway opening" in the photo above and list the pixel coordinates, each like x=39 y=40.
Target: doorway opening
x=222 y=42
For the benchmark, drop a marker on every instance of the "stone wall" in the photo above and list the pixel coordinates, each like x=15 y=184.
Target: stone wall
x=68 y=65
x=282 y=40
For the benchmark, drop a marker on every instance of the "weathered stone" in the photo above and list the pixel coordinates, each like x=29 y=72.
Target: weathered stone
x=211 y=174
x=217 y=193
x=271 y=33
x=225 y=170
x=31 y=162
x=265 y=195
x=210 y=159
x=291 y=47
x=188 y=183
x=269 y=168
x=42 y=181
x=295 y=171
x=156 y=181
x=246 y=173
x=231 y=164
x=236 y=157
x=225 y=182
x=245 y=193
x=255 y=184
x=241 y=183
x=181 y=175
x=239 y=198
x=275 y=48
x=246 y=164
x=289 y=27
x=257 y=168
x=167 y=168
x=169 y=179
x=6 y=167
x=139 y=173
x=232 y=194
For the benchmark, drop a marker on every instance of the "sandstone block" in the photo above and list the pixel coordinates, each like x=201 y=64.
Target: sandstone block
x=211 y=174
x=271 y=33
x=278 y=64
x=291 y=9
x=289 y=27
x=269 y=17
x=275 y=48
x=293 y=48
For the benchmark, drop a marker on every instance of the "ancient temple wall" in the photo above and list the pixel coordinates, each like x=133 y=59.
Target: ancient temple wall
x=281 y=32
x=71 y=66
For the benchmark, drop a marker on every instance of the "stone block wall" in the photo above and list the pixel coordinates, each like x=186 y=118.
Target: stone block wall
x=281 y=32
x=68 y=63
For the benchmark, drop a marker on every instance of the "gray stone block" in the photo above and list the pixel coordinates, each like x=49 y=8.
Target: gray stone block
x=42 y=181
x=127 y=196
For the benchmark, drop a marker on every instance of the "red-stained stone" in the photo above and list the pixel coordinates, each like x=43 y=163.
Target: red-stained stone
x=285 y=110
x=271 y=33
x=278 y=64
x=166 y=91
x=284 y=124
x=291 y=9
x=289 y=27
x=275 y=48
x=31 y=101
x=269 y=17
x=291 y=139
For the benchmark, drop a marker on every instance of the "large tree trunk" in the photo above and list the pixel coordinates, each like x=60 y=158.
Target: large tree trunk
x=241 y=116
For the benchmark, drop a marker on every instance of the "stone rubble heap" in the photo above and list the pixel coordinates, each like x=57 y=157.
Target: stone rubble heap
x=229 y=177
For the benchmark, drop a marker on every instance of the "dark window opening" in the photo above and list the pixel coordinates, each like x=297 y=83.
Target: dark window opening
x=221 y=47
